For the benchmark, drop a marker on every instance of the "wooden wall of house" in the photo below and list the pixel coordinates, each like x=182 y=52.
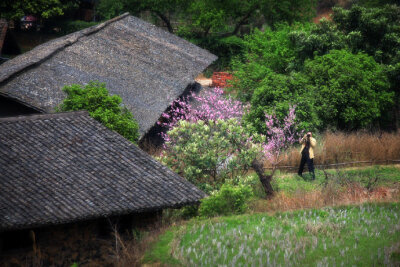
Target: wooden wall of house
x=10 y=107
x=88 y=243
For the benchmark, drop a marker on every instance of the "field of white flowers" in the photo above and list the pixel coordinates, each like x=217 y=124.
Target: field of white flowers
x=366 y=235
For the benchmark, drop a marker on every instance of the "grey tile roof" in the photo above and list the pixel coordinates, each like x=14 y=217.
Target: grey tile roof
x=147 y=66
x=65 y=167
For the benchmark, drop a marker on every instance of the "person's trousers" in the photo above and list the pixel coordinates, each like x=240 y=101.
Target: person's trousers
x=305 y=158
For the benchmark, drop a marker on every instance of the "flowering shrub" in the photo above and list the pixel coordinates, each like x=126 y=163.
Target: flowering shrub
x=280 y=135
x=206 y=142
x=229 y=199
x=212 y=105
x=208 y=153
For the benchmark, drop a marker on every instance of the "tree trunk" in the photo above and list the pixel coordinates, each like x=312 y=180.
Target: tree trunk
x=241 y=22
x=206 y=31
x=264 y=179
x=396 y=111
x=166 y=21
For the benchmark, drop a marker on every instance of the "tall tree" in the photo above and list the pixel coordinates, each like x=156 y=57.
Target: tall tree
x=211 y=15
x=163 y=9
x=205 y=16
x=14 y=10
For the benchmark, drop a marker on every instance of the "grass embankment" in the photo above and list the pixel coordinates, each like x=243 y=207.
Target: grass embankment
x=366 y=235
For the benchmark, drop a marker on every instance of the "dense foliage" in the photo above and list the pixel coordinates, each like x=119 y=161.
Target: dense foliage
x=208 y=144
x=209 y=23
x=106 y=109
x=350 y=90
x=229 y=199
x=207 y=153
x=11 y=9
x=325 y=70
x=202 y=17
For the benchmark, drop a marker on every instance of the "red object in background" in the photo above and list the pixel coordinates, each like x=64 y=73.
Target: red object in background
x=219 y=79
x=29 y=18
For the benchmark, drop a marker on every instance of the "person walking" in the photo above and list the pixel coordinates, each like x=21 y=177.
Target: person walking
x=308 y=144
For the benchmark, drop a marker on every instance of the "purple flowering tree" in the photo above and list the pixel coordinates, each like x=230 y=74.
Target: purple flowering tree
x=213 y=106
x=279 y=137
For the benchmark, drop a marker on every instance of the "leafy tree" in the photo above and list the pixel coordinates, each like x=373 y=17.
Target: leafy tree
x=351 y=91
x=210 y=15
x=109 y=9
x=318 y=39
x=205 y=16
x=288 y=11
x=14 y=10
x=377 y=30
x=264 y=53
x=106 y=109
x=162 y=9
x=206 y=153
x=283 y=51
x=376 y=3
x=210 y=150
x=276 y=93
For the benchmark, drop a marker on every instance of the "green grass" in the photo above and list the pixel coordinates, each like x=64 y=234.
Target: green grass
x=365 y=235
x=161 y=250
x=291 y=183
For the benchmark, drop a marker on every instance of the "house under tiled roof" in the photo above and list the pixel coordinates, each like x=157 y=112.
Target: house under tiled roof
x=67 y=167
x=147 y=66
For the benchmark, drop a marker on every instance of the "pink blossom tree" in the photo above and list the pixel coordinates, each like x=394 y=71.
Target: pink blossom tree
x=279 y=137
x=213 y=106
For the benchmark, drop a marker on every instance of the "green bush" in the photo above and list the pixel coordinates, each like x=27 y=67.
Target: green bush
x=106 y=109
x=229 y=199
x=208 y=153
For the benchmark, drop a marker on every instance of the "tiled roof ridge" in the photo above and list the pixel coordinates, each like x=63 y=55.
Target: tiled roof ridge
x=69 y=39
x=45 y=116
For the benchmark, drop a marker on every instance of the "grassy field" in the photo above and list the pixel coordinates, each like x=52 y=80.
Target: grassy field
x=365 y=235
x=384 y=176
x=305 y=223
x=335 y=187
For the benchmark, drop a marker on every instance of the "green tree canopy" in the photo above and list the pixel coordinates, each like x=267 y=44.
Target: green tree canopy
x=276 y=93
x=13 y=10
x=200 y=17
x=106 y=109
x=351 y=90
